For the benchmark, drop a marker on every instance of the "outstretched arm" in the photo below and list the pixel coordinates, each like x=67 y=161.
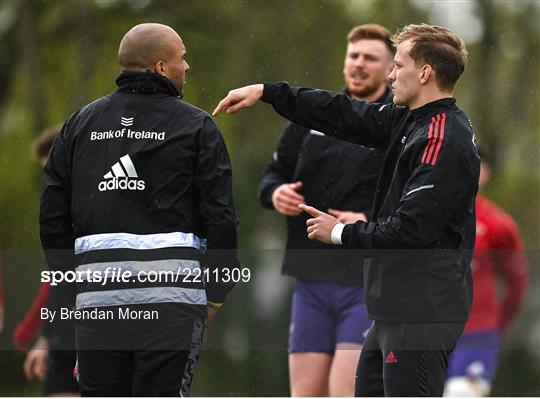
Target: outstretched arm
x=334 y=114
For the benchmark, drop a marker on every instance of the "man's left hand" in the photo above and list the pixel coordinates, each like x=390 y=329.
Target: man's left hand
x=320 y=227
x=210 y=314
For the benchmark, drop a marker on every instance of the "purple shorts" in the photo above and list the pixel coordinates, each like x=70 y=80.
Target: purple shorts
x=476 y=356
x=325 y=314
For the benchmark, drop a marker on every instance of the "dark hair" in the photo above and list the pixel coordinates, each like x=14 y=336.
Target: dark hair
x=41 y=146
x=442 y=49
x=372 y=31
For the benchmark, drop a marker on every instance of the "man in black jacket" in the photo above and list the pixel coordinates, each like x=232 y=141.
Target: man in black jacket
x=328 y=319
x=418 y=285
x=137 y=187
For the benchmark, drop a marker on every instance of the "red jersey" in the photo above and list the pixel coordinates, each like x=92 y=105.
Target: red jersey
x=498 y=254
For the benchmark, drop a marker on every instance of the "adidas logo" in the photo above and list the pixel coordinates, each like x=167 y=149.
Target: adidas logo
x=391 y=358
x=126 y=121
x=122 y=176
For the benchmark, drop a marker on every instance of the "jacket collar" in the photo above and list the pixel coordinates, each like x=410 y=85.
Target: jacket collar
x=387 y=96
x=146 y=83
x=437 y=105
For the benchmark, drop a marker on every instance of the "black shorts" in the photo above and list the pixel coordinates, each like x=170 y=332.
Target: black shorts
x=140 y=372
x=59 y=377
x=406 y=359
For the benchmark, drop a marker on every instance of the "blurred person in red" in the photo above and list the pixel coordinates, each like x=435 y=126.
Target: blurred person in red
x=28 y=328
x=498 y=256
x=54 y=367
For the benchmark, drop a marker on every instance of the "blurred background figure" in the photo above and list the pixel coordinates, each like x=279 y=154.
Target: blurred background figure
x=55 y=367
x=329 y=319
x=498 y=257
x=28 y=328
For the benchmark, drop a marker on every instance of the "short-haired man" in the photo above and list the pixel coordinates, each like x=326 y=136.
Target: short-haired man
x=418 y=283
x=328 y=319
x=137 y=186
x=498 y=257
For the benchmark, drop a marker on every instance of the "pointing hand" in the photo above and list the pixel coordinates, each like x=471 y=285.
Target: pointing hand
x=238 y=99
x=320 y=227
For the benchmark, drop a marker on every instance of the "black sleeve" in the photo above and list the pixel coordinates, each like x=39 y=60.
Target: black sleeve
x=434 y=192
x=213 y=181
x=334 y=114
x=281 y=168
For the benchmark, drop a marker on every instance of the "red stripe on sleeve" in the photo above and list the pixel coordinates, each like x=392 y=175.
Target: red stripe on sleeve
x=440 y=140
x=429 y=139
x=433 y=141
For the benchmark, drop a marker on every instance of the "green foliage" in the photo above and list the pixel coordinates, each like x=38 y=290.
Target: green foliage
x=517 y=381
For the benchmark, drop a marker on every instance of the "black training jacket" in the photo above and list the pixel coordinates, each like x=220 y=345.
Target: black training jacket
x=335 y=174
x=423 y=226
x=141 y=181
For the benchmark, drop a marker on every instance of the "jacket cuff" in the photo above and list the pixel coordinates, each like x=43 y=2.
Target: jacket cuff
x=346 y=234
x=266 y=196
x=217 y=292
x=269 y=92
x=358 y=235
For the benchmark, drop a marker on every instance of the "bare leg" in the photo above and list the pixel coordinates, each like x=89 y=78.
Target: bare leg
x=308 y=373
x=343 y=371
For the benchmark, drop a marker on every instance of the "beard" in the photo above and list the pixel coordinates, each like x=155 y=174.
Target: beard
x=365 y=90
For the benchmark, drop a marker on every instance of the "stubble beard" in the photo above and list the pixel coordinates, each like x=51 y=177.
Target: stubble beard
x=365 y=91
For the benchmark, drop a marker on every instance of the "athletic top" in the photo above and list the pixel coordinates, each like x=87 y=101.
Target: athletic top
x=498 y=254
x=335 y=174
x=423 y=225
x=140 y=181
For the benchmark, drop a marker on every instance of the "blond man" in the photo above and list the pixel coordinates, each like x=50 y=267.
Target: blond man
x=418 y=283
